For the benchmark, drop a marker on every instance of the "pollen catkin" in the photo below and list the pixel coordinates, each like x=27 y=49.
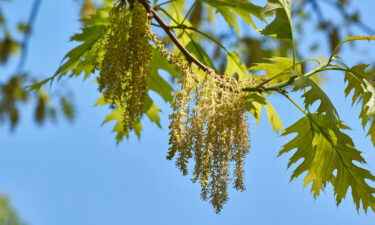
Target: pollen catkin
x=208 y=124
x=123 y=59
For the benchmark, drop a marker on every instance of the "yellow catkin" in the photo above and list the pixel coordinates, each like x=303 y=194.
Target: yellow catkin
x=123 y=59
x=208 y=124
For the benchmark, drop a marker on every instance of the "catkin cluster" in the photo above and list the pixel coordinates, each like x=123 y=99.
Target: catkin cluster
x=208 y=124
x=123 y=59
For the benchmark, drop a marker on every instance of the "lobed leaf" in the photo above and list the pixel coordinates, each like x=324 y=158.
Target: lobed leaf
x=281 y=26
x=236 y=66
x=315 y=94
x=278 y=69
x=150 y=109
x=255 y=102
x=274 y=118
x=78 y=60
x=236 y=4
x=329 y=156
x=229 y=10
x=155 y=81
x=363 y=91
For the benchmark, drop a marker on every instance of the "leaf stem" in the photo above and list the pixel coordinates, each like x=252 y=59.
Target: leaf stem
x=164 y=3
x=188 y=13
x=293 y=102
x=291 y=80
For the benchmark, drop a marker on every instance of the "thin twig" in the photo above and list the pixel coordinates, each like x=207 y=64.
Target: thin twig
x=291 y=80
x=188 y=13
x=364 y=27
x=189 y=57
x=27 y=34
x=318 y=11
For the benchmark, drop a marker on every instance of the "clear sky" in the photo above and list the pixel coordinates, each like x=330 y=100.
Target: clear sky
x=74 y=174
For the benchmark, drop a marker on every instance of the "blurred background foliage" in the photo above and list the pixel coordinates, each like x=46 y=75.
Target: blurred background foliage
x=14 y=95
x=7 y=215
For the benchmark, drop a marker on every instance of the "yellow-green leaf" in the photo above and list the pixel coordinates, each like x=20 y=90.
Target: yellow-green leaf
x=150 y=109
x=255 y=102
x=329 y=156
x=358 y=80
x=235 y=66
x=281 y=26
x=312 y=94
x=274 y=118
x=278 y=69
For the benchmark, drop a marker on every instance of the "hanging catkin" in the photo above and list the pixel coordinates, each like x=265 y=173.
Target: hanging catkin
x=123 y=59
x=208 y=124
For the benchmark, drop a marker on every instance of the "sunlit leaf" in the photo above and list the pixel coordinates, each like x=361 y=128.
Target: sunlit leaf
x=155 y=81
x=79 y=59
x=149 y=107
x=274 y=118
x=329 y=156
x=313 y=93
x=278 y=69
x=236 y=66
x=196 y=49
x=255 y=104
x=363 y=91
x=236 y=4
x=230 y=9
x=281 y=26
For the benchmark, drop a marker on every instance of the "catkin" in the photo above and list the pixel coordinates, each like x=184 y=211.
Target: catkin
x=123 y=59
x=209 y=125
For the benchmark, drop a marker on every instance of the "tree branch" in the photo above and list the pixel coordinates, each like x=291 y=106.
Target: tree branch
x=167 y=29
x=292 y=79
x=27 y=34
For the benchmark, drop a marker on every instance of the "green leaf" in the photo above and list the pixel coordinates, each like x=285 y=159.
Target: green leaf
x=363 y=91
x=316 y=94
x=281 y=27
x=117 y=116
x=329 y=156
x=278 y=69
x=255 y=101
x=246 y=16
x=229 y=10
x=79 y=59
x=236 y=4
x=197 y=50
x=230 y=17
x=274 y=118
x=149 y=107
x=236 y=66
x=155 y=81
x=152 y=111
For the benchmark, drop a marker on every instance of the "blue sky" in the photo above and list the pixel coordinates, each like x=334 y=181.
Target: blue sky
x=75 y=174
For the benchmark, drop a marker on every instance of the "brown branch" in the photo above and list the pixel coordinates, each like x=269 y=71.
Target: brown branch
x=167 y=29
